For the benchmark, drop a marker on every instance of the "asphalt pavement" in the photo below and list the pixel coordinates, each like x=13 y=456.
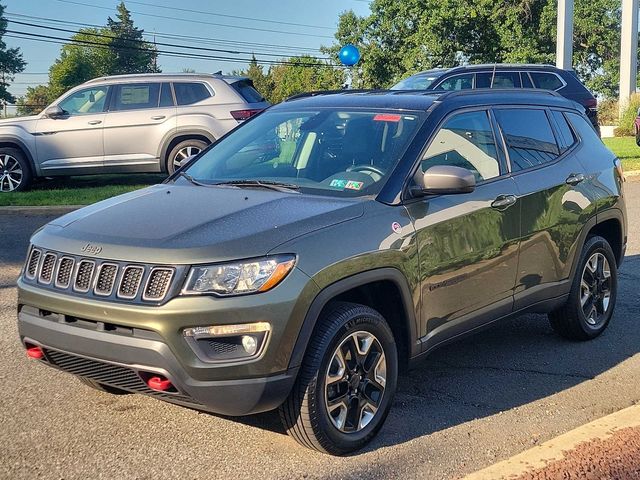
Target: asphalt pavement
x=469 y=405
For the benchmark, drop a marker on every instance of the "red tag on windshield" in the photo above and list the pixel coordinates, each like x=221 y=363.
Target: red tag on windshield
x=386 y=117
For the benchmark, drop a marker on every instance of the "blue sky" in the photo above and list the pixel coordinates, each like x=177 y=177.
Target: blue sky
x=210 y=29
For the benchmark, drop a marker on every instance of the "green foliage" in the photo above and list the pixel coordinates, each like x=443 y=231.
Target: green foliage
x=626 y=150
x=401 y=38
x=11 y=61
x=625 y=127
x=608 y=112
x=115 y=49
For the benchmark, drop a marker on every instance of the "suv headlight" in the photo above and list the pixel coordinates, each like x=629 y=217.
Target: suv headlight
x=238 y=278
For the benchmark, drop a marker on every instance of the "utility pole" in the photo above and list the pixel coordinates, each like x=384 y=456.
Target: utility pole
x=564 y=36
x=628 y=52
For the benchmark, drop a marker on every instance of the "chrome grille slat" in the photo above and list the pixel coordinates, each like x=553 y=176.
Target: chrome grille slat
x=32 y=263
x=64 y=272
x=101 y=279
x=130 y=282
x=48 y=266
x=158 y=283
x=106 y=279
x=84 y=274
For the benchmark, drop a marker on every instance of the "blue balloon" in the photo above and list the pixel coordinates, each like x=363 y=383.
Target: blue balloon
x=349 y=55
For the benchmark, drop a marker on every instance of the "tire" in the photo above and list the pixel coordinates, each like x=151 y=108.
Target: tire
x=570 y=320
x=182 y=151
x=15 y=171
x=305 y=414
x=103 y=387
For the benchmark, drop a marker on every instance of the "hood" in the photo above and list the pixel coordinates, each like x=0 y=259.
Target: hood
x=6 y=122
x=184 y=224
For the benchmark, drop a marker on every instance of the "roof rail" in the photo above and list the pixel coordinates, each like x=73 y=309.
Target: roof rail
x=317 y=93
x=489 y=91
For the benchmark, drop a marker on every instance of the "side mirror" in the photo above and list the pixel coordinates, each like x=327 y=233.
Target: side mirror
x=54 y=111
x=446 y=180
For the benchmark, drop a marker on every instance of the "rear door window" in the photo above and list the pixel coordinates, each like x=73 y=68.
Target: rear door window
x=247 y=91
x=529 y=137
x=135 y=96
x=498 y=80
x=465 y=140
x=526 y=80
x=188 y=93
x=457 y=82
x=546 y=81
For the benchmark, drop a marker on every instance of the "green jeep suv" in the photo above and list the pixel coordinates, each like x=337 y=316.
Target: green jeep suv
x=304 y=259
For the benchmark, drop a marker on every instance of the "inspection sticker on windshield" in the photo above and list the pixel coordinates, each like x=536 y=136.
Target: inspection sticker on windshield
x=338 y=183
x=351 y=185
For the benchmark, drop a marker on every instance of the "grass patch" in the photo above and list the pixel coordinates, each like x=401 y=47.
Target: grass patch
x=78 y=190
x=626 y=150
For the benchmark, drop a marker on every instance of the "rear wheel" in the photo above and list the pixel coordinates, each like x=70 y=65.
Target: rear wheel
x=15 y=173
x=182 y=151
x=103 y=387
x=346 y=384
x=592 y=299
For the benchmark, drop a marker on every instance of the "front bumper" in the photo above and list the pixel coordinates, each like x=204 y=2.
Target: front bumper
x=122 y=359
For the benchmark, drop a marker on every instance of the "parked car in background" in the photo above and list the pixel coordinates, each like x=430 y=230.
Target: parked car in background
x=127 y=123
x=547 y=77
x=304 y=275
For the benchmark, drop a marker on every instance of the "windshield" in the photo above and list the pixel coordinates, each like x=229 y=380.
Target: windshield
x=416 y=82
x=323 y=152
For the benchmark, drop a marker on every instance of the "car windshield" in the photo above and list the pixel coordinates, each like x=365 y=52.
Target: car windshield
x=325 y=152
x=416 y=82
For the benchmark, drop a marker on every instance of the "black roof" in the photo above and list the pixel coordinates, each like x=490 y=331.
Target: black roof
x=422 y=100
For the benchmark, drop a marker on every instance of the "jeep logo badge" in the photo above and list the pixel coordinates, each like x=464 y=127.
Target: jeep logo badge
x=92 y=249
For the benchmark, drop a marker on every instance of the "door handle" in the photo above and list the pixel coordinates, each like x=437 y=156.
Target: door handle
x=502 y=202
x=158 y=117
x=574 y=179
x=95 y=122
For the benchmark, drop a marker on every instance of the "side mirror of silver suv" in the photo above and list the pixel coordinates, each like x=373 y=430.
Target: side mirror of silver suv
x=54 y=111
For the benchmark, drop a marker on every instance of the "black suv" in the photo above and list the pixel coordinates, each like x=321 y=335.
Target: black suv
x=546 y=77
x=307 y=256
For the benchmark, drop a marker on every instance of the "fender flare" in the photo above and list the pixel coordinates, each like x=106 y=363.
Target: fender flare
x=22 y=146
x=331 y=291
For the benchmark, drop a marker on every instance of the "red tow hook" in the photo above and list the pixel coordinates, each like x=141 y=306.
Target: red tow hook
x=35 y=352
x=159 y=383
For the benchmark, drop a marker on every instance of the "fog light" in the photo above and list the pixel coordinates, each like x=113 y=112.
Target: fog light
x=249 y=344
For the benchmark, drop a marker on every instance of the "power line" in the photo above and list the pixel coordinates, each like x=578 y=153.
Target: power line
x=169 y=53
x=141 y=42
x=72 y=2
x=194 y=39
x=238 y=17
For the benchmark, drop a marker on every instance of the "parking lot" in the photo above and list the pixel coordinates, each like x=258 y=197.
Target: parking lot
x=469 y=405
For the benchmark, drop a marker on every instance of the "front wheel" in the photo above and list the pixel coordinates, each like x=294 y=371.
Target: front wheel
x=347 y=381
x=15 y=173
x=592 y=299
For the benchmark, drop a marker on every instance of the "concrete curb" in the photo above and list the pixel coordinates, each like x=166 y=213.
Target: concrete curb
x=40 y=210
x=541 y=455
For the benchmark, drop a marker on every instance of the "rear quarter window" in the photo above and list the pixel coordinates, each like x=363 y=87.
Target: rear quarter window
x=546 y=81
x=188 y=93
x=247 y=91
x=588 y=135
x=566 y=137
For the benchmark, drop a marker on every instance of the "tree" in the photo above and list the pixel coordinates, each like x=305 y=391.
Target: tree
x=11 y=62
x=263 y=82
x=303 y=74
x=130 y=53
x=400 y=38
x=34 y=101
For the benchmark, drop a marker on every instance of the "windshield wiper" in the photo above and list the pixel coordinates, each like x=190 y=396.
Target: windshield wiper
x=191 y=179
x=278 y=186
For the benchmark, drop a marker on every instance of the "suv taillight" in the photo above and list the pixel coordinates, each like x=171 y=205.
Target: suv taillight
x=241 y=115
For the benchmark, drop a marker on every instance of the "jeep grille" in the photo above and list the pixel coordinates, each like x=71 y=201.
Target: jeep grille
x=118 y=281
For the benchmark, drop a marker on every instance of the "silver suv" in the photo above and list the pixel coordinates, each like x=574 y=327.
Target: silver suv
x=128 y=123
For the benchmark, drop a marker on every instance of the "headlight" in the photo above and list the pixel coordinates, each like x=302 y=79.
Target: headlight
x=237 y=278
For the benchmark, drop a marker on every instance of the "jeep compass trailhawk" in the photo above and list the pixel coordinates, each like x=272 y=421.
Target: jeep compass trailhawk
x=303 y=259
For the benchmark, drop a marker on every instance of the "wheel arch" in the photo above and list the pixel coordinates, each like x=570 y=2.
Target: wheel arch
x=610 y=226
x=170 y=142
x=11 y=142
x=385 y=290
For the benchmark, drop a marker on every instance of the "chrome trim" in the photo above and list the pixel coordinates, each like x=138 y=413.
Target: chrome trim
x=137 y=289
x=97 y=278
x=53 y=268
x=75 y=276
x=26 y=270
x=71 y=276
x=166 y=289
